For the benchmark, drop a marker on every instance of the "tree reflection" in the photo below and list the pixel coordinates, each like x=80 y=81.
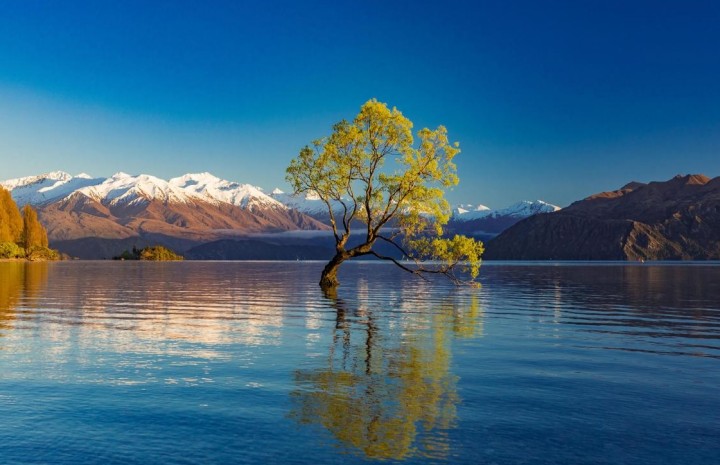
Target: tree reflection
x=388 y=397
x=18 y=280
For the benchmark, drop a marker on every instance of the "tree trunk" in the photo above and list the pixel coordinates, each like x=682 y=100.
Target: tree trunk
x=328 y=279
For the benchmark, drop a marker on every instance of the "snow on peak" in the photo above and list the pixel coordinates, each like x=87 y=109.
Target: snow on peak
x=57 y=175
x=196 y=178
x=45 y=188
x=277 y=191
x=469 y=211
x=521 y=209
x=120 y=175
x=123 y=188
x=208 y=187
x=526 y=208
x=309 y=202
x=39 y=179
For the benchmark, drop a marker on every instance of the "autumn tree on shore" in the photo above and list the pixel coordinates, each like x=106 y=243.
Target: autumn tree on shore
x=22 y=236
x=370 y=171
x=33 y=233
x=11 y=223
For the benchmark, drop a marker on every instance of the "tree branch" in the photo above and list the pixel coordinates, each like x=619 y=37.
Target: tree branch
x=403 y=267
x=397 y=246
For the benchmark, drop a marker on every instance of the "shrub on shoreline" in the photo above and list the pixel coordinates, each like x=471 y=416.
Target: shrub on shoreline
x=11 y=250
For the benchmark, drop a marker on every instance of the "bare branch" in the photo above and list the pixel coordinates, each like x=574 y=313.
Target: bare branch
x=403 y=267
x=397 y=246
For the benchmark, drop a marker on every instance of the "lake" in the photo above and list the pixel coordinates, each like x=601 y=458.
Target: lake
x=248 y=362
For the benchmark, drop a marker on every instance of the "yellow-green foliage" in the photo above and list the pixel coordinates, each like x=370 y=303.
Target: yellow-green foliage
x=11 y=250
x=158 y=253
x=154 y=253
x=466 y=252
x=42 y=253
x=377 y=172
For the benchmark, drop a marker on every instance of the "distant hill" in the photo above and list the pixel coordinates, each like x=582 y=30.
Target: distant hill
x=279 y=247
x=485 y=223
x=678 y=219
x=471 y=220
x=256 y=249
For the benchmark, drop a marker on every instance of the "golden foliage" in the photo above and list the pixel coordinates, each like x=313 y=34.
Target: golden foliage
x=33 y=234
x=11 y=223
x=22 y=235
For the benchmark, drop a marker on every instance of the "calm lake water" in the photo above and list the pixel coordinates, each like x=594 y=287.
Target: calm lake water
x=242 y=362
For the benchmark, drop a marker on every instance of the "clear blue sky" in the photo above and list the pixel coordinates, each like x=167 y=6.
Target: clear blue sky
x=549 y=100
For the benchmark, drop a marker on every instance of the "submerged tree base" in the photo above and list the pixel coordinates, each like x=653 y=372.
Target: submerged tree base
x=328 y=279
x=327 y=282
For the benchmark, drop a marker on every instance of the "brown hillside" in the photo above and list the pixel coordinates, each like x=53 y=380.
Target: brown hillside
x=678 y=219
x=79 y=217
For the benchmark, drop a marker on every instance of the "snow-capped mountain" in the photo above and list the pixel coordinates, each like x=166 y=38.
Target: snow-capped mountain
x=100 y=217
x=125 y=189
x=481 y=221
x=521 y=209
x=468 y=212
x=309 y=203
x=37 y=190
x=205 y=186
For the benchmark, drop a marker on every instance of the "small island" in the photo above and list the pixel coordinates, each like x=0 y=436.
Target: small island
x=155 y=253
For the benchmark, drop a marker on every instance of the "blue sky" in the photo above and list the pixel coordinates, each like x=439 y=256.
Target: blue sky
x=551 y=100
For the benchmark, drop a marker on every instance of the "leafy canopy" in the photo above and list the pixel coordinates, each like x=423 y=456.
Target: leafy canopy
x=371 y=171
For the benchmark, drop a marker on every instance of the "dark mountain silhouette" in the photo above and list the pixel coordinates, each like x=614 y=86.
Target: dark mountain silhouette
x=678 y=219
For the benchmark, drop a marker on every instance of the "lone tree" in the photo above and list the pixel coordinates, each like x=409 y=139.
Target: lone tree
x=370 y=172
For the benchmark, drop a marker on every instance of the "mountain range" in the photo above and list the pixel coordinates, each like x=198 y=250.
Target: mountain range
x=202 y=216
x=474 y=220
x=482 y=222
x=677 y=219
